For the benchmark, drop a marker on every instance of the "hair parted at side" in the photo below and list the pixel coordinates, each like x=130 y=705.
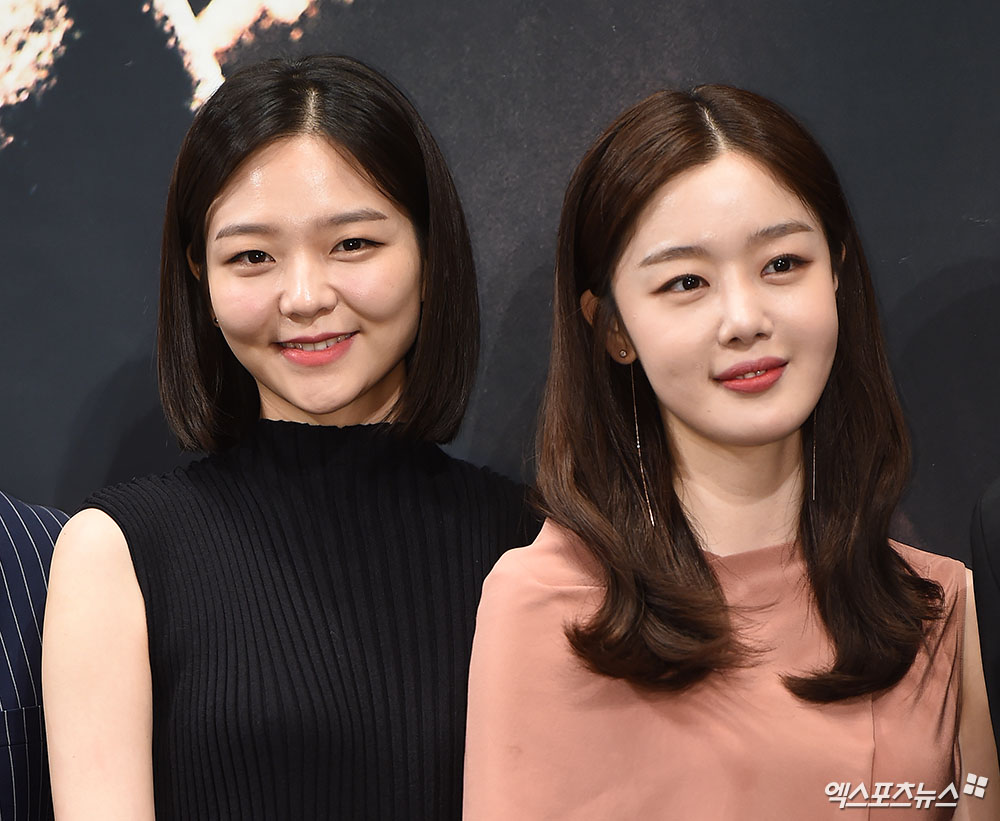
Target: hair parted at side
x=208 y=397
x=664 y=622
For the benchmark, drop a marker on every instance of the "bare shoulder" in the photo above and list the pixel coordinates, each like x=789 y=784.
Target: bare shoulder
x=91 y=558
x=95 y=674
x=92 y=583
x=91 y=533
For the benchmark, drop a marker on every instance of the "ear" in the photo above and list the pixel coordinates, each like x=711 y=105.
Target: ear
x=196 y=273
x=617 y=343
x=195 y=270
x=843 y=258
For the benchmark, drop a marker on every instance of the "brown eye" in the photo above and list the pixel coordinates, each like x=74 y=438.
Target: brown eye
x=783 y=264
x=688 y=282
x=254 y=257
x=355 y=244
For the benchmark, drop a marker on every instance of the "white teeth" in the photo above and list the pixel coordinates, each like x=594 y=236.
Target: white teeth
x=316 y=346
x=750 y=375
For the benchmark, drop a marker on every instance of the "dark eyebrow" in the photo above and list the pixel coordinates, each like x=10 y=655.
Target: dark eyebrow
x=262 y=229
x=676 y=252
x=237 y=230
x=357 y=215
x=696 y=251
x=778 y=231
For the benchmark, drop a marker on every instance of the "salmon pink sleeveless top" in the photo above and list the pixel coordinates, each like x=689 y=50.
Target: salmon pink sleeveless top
x=548 y=739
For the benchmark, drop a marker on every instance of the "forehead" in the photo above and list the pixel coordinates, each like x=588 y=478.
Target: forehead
x=731 y=196
x=295 y=175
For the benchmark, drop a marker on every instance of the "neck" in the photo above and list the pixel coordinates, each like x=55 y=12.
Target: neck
x=739 y=498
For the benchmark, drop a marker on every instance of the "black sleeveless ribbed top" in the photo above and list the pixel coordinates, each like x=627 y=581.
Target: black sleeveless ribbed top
x=310 y=600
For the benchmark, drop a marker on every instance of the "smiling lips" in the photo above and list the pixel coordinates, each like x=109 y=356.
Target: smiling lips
x=316 y=350
x=752 y=377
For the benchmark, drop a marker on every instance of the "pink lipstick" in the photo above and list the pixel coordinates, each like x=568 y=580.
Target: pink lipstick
x=316 y=350
x=753 y=376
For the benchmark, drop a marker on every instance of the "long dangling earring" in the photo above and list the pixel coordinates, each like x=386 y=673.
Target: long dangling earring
x=638 y=446
x=814 y=456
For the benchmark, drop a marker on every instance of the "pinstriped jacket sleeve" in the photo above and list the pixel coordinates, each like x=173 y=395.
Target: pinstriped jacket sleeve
x=27 y=536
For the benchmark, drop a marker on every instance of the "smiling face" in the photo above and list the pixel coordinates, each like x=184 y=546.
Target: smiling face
x=315 y=279
x=728 y=299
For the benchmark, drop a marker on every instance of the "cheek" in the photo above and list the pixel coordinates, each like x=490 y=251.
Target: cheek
x=242 y=306
x=821 y=326
x=671 y=346
x=674 y=356
x=391 y=298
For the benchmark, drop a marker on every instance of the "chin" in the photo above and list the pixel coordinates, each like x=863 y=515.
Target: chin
x=760 y=437
x=743 y=432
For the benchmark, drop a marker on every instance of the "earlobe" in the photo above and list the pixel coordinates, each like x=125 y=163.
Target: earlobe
x=617 y=343
x=588 y=304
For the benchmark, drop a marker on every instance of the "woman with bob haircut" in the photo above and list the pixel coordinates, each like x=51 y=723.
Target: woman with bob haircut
x=713 y=622
x=282 y=629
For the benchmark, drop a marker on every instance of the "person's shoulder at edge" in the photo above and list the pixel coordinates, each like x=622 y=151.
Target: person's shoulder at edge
x=44 y=514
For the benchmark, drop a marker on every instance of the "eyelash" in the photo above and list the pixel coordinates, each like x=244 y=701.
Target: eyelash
x=244 y=256
x=365 y=243
x=672 y=284
x=791 y=258
x=695 y=281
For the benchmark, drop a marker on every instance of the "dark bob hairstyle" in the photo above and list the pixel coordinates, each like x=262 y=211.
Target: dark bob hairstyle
x=664 y=622
x=208 y=397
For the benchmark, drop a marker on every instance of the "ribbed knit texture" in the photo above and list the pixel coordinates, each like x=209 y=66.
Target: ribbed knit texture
x=310 y=601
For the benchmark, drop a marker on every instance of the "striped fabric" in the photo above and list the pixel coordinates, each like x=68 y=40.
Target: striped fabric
x=27 y=535
x=310 y=601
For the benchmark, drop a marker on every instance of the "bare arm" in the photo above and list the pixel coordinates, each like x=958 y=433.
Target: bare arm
x=95 y=676
x=975 y=733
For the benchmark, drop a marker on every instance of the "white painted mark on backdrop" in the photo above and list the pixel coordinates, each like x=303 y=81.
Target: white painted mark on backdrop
x=32 y=38
x=204 y=39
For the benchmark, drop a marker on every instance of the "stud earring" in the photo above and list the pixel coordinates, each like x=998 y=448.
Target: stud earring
x=623 y=353
x=215 y=321
x=638 y=447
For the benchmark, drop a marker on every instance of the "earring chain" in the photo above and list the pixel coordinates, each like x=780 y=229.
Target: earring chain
x=638 y=447
x=814 y=456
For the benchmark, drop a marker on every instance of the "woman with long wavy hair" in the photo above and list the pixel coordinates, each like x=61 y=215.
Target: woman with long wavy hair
x=714 y=623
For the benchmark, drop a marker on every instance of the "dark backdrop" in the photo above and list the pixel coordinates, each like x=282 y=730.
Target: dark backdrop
x=902 y=95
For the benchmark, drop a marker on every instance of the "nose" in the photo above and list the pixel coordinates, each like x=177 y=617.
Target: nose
x=744 y=315
x=306 y=288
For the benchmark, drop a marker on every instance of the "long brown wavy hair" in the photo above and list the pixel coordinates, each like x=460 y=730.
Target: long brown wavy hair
x=664 y=622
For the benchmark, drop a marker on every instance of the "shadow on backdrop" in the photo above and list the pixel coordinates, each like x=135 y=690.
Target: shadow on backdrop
x=118 y=434
x=499 y=429
x=945 y=344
